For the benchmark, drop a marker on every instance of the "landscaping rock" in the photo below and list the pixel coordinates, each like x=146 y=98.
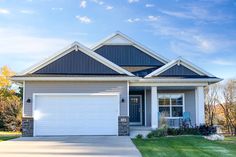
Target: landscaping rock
x=215 y=137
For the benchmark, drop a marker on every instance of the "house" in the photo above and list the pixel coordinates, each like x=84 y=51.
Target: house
x=116 y=87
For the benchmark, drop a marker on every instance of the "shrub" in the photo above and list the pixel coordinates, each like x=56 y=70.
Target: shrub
x=173 y=131
x=207 y=130
x=159 y=132
x=150 y=135
x=10 y=113
x=139 y=136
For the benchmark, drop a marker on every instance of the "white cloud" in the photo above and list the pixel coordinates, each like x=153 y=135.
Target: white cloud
x=4 y=11
x=84 y=19
x=194 y=12
x=98 y=2
x=152 y=18
x=133 y=1
x=187 y=39
x=17 y=41
x=83 y=4
x=57 y=9
x=149 y=5
x=130 y=20
x=27 y=11
x=109 y=7
x=223 y=62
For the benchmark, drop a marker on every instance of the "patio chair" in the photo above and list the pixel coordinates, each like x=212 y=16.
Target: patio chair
x=186 y=121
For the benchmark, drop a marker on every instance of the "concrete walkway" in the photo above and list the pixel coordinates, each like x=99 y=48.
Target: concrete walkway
x=69 y=146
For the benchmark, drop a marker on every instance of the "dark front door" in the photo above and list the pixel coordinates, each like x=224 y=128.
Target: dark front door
x=135 y=109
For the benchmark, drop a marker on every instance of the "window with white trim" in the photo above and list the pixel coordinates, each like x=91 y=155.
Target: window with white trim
x=171 y=105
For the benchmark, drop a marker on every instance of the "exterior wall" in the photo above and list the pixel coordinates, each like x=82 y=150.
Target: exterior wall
x=74 y=87
x=27 y=127
x=76 y=62
x=179 y=70
x=127 y=55
x=190 y=106
x=123 y=126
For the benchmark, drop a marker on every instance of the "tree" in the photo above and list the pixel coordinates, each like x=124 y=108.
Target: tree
x=10 y=103
x=5 y=74
x=211 y=100
x=229 y=106
x=10 y=112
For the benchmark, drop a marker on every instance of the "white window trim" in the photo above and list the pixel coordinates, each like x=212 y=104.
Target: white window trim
x=170 y=117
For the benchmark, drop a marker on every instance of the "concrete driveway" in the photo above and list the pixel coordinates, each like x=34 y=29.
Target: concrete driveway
x=69 y=146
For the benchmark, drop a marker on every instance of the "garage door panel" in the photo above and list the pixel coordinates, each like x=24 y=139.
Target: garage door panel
x=76 y=115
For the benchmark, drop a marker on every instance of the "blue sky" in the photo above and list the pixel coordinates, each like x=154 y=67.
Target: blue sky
x=203 y=32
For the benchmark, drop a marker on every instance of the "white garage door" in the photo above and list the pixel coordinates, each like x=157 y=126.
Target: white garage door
x=76 y=114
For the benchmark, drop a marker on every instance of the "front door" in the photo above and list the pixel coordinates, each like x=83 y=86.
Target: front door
x=135 y=109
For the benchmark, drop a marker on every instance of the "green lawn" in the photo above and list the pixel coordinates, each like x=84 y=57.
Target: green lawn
x=8 y=135
x=189 y=146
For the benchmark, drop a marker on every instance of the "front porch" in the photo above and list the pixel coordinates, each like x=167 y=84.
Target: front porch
x=151 y=107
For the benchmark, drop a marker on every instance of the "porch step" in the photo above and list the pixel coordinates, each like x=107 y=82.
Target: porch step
x=136 y=130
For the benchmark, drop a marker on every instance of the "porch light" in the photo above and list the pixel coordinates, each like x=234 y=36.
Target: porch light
x=122 y=100
x=28 y=100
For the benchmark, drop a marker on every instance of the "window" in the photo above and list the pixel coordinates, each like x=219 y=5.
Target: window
x=171 y=105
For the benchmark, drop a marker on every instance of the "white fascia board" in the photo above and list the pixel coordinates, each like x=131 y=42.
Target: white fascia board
x=161 y=69
x=180 y=80
x=182 y=61
x=133 y=43
x=195 y=67
x=20 y=79
x=55 y=55
x=173 y=82
x=77 y=46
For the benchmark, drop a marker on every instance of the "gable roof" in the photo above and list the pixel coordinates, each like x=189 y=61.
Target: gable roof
x=76 y=46
x=180 y=61
x=119 y=38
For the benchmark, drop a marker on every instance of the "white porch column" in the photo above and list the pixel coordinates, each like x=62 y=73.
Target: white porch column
x=154 y=108
x=200 y=110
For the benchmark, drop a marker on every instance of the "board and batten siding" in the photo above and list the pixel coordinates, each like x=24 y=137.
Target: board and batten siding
x=74 y=87
x=127 y=55
x=76 y=62
x=189 y=96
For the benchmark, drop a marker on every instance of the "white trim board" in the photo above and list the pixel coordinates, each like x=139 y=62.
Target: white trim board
x=77 y=46
x=183 y=62
x=119 y=38
x=107 y=78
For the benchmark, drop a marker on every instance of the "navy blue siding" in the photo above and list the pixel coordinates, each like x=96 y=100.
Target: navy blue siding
x=75 y=63
x=179 y=70
x=145 y=72
x=127 y=55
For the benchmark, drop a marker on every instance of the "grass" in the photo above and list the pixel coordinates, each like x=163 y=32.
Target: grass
x=186 y=146
x=8 y=135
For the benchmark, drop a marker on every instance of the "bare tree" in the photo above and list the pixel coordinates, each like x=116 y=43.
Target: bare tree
x=211 y=100
x=228 y=105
